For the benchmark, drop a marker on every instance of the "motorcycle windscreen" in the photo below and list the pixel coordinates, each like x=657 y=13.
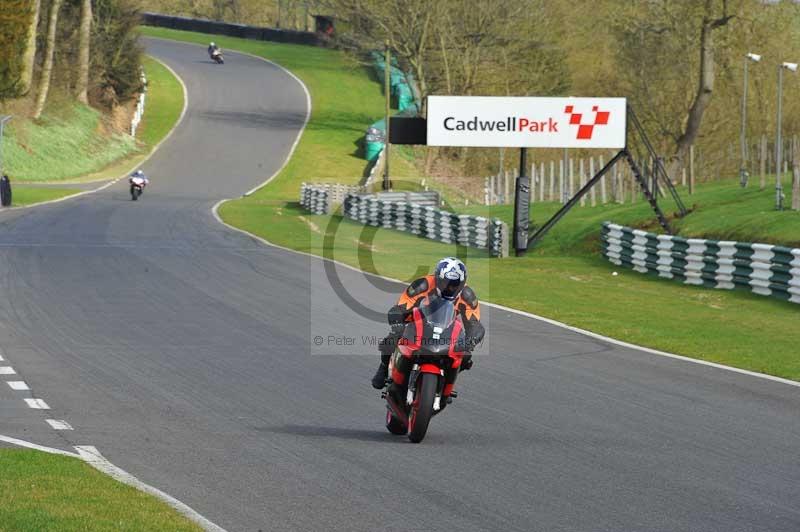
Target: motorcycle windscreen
x=439 y=315
x=439 y=312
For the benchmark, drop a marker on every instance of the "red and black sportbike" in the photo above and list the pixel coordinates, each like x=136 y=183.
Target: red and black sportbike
x=424 y=367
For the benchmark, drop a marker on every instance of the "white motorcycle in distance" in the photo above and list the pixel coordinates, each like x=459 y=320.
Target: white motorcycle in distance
x=216 y=56
x=137 y=181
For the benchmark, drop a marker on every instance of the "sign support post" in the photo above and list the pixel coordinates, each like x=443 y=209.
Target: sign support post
x=522 y=205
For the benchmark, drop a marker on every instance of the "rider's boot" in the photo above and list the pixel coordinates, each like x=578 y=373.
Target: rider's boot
x=379 y=380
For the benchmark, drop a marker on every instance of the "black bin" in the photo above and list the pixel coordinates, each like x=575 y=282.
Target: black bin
x=5 y=191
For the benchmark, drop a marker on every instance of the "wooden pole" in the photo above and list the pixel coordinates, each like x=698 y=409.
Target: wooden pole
x=763 y=162
x=388 y=89
x=571 y=181
x=543 y=177
x=562 y=177
x=691 y=169
x=506 y=197
x=796 y=187
x=581 y=180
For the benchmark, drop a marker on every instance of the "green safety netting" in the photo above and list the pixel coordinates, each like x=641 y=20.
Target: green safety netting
x=406 y=104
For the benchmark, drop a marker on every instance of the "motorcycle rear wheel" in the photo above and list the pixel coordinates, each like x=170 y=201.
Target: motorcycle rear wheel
x=422 y=409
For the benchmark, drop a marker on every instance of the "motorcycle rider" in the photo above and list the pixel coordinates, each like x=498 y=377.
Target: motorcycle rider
x=213 y=49
x=449 y=282
x=138 y=174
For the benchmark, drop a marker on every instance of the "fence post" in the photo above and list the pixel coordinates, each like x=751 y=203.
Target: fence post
x=763 y=162
x=506 y=193
x=552 y=190
x=562 y=178
x=571 y=181
x=532 y=189
x=543 y=177
x=603 y=181
x=691 y=169
x=581 y=180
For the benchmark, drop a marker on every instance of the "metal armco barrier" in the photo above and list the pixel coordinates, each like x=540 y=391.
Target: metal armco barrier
x=430 y=222
x=421 y=218
x=324 y=198
x=761 y=268
x=232 y=30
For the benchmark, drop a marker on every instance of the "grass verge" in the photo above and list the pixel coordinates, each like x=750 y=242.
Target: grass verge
x=44 y=492
x=565 y=278
x=23 y=196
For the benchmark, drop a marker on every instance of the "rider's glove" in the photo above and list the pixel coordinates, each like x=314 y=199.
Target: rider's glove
x=386 y=347
x=397 y=328
x=466 y=362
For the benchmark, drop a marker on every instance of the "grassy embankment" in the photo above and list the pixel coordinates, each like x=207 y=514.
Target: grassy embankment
x=565 y=278
x=44 y=492
x=68 y=144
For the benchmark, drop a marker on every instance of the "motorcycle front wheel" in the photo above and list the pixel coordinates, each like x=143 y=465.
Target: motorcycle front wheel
x=422 y=409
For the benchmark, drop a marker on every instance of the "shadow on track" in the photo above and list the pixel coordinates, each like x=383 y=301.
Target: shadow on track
x=279 y=120
x=336 y=432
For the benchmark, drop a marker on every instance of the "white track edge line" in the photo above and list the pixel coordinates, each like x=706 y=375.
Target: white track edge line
x=29 y=445
x=215 y=212
x=93 y=457
x=140 y=163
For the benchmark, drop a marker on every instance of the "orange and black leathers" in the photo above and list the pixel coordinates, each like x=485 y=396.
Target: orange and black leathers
x=467 y=305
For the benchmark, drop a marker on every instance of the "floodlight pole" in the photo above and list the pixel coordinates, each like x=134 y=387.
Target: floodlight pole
x=742 y=169
x=387 y=88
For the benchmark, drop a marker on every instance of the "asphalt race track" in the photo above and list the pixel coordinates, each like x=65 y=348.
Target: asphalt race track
x=184 y=351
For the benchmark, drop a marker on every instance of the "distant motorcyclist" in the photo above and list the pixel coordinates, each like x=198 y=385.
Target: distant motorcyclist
x=214 y=50
x=138 y=178
x=449 y=281
x=137 y=181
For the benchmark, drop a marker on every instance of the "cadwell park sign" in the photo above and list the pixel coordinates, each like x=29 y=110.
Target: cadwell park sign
x=542 y=122
x=526 y=122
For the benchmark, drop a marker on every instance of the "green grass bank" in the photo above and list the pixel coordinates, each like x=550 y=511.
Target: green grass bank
x=73 y=142
x=44 y=492
x=565 y=278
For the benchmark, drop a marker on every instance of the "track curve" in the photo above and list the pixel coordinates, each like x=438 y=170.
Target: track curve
x=183 y=351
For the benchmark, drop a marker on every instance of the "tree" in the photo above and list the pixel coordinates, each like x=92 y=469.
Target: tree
x=29 y=58
x=116 y=52
x=47 y=69
x=84 y=41
x=706 y=86
x=14 y=25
